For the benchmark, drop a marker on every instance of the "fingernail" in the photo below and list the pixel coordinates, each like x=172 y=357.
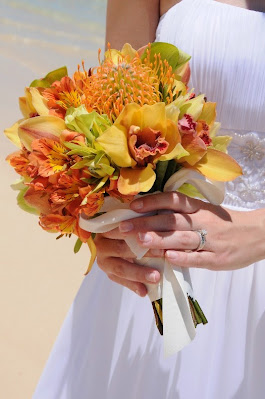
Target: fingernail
x=125 y=227
x=153 y=277
x=145 y=237
x=138 y=292
x=171 y=254
x=137 y=205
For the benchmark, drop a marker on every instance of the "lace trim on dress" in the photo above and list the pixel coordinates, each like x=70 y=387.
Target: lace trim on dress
x=248 y=190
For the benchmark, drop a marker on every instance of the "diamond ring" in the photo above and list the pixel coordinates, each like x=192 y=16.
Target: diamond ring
x=202 y=235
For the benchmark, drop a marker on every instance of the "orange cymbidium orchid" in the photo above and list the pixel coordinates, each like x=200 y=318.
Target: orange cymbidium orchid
x=139 y=138
x=207 y=152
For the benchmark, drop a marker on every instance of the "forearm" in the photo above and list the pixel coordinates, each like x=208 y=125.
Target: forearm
x=132 y=21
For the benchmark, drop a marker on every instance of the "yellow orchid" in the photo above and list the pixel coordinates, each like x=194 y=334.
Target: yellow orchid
x=127 y=53
x=32 y=104
x=49 y=127
x=139 y=138
x=207 y=152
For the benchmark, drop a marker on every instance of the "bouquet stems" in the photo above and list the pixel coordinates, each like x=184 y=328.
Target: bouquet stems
x=197 y=314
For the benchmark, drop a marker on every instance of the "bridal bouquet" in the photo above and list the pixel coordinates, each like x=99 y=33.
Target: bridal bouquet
x=91 y=143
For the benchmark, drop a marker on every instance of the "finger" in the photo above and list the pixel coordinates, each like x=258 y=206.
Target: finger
x=203 y=259
x=166 y=222
x=130 y=271
x=177 y=240
x=115 y=248
x=114 y=234
x=139 y=288
x=172 y=200
x=119 y=249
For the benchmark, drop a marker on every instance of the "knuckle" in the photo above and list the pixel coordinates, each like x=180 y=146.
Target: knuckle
x=171 y=221
x=111 y=277
x=118 y=269
x=139 y=276
x=174 y=198
x=185 y=239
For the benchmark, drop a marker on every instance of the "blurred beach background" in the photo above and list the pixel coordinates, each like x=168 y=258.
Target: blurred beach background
x=39 y=275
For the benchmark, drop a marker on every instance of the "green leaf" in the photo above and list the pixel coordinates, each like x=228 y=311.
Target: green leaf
x=50 y=78
x=183 y=58
x=23 y=204
x=99 y=157
x=78 y=245
x=91 y=124
x=98 y=187
x=161 y=169
x=81 y=164
x=81 y=149
x=19 y=184
x=109 y=170
x=169 y=52
x=190 y=191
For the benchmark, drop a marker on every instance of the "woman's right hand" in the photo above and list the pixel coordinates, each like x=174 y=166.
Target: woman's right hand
x=116 y=259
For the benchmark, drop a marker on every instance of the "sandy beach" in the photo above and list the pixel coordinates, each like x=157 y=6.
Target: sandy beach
x=39 y=275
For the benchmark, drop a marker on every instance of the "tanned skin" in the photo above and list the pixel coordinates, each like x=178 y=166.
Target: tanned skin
x=135 y=21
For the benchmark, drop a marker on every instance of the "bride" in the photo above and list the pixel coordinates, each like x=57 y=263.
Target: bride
x=109 y=347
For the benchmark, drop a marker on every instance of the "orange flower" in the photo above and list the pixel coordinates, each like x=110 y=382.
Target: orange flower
x=113 y=85
x=113 y=191
x=19 y=160
x=49 y=156
x=93 y=201
x=38 y=199
x=63 y=224
x=62 y=95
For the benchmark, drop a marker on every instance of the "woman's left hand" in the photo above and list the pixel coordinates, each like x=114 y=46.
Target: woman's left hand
x=234 y=239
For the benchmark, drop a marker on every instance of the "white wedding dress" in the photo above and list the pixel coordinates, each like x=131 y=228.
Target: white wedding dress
x=109 y=347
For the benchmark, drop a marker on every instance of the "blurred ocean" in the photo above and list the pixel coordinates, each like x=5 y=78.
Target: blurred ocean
x=37 y=36
x=39 y=275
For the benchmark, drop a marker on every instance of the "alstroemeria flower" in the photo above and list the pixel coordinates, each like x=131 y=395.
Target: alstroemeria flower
x=19 y=160
x=62 y=95
x=139 y=138
x=49 y=156
x=64 y=224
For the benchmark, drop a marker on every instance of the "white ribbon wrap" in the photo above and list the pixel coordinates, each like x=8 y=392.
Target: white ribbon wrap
x=178 y=326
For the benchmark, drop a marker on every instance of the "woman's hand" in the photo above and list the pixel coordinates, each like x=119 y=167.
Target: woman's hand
x=234 y=239
x=116 y=260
